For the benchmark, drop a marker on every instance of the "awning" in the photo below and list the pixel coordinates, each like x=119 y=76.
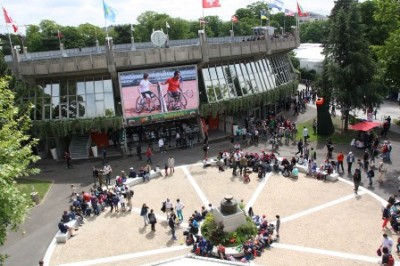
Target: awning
x=365 y=126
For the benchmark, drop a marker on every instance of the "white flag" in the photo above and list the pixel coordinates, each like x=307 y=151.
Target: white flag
x=167 y=25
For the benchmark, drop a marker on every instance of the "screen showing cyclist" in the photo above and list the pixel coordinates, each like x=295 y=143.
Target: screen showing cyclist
x=144 y=89
x=174 y=84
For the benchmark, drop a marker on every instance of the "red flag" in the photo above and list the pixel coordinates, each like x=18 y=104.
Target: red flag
x=7 y=18
x=15 y=27
x=211 y=3
x=300 y=11
x=234 y=19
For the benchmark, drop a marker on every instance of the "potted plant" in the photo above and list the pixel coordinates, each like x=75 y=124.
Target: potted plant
x=94 y=149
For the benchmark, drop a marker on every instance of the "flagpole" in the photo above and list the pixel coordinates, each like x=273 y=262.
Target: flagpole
x=59 y=37
x=9 y=38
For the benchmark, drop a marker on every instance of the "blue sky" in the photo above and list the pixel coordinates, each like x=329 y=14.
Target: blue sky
x=75 y=12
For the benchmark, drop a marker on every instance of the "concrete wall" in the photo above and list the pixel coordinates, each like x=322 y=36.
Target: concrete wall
x=106 y=62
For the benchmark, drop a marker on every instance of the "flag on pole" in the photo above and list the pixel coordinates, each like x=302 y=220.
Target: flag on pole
x=109 y=12
x=234 y=19
x=167 y=25
x=300 y=11
x=9 y=20
x=263 y=14
x=278 y=4
x=59 y=34
x=289 y=13
x=211 y=3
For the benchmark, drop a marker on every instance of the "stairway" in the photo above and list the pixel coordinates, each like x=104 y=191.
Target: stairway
x=79 y=146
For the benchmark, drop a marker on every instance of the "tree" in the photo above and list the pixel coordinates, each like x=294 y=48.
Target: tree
x=16 y=158
x=349 y=63
x=314 y=32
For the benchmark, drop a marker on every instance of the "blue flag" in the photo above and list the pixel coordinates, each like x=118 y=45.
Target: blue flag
x=109 y=12
x=278 y=4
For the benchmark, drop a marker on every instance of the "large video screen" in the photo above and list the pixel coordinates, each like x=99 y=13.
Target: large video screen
x=152 y=100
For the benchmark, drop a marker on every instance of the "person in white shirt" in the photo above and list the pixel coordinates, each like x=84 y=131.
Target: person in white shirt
x=161 y=145
x=144 y=89
x=305 y=134
x=171 y=164
x=387 y=242
x=168 y=207
x=178 y=207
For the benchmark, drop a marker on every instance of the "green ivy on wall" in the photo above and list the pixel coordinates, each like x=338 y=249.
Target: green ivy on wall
x=246 y=102
x=63 y=128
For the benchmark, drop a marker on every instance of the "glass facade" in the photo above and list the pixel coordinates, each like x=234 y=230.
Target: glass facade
x=245 y=77
x=70 y=99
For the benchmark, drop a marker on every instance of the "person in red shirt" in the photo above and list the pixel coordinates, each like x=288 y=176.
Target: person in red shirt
x=340 y=159
x=174 y=85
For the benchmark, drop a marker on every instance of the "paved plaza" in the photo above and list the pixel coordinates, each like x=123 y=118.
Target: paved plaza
x=322 y=223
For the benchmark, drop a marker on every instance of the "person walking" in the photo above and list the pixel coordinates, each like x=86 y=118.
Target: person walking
x=305 y=135
x=350 y=160
x=370 y=174
x=152 y=220
x=144 y=213
x=161 y=145
x=171 y=164
x=95 y=174
x=314 y=126
x=381 y=170
x=67 y=158
x=387 y=242
x=278 y=225
x=300 y=147
x=386 y=216
x=149 y=154
x=357 y=179
x=171 y=223
x=179 y=207
x=168 y=208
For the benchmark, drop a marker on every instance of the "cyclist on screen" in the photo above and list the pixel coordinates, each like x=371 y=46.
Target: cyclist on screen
x=144 y=89
x=174 y=85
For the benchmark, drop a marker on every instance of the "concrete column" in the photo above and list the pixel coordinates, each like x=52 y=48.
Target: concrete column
x=133 y=47
x=204 y=46
x=110 y=58
x=63 y=53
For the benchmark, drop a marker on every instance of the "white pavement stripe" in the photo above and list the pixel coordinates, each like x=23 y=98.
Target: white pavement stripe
x=195 y=186
x=258 y=191
x=126 y=256
x=327 y=252
x=372 y=194
x=320 y=207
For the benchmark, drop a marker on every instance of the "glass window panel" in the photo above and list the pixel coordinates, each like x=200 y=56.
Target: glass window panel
x=47 y=100
x=215 y=83
x=47 y=89
x=109 y=103
x=208 y=86
x=47 y=112
x=98 y=86
x=222 y=83
x=63 y=88
x=260 y=85
x=100 y=109
x=55 y=114
x=64 y=111
x=108 y=85
x=89 y=87
x=90 y=105
x=265 y=74
x=99 y=96
x=81 y=97
x=55 y=89
x=233 y=81
x=260 y=76
x=240 y=78
x=72 y=109
x=80 y=87
x=81 y=112
x=252 y=78
x=71 y=87
x=55 y=100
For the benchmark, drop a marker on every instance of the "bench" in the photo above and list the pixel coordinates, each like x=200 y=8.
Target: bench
x=229 y=252
x=333 y=177
x=61 y=237
x=130 y=182
x=302 y=168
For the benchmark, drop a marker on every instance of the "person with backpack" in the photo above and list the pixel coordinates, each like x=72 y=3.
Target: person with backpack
x=356 y=179
x=387 y=258
x=152 y=220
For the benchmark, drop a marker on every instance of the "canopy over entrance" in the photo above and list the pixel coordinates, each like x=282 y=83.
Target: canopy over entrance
x=365 y=126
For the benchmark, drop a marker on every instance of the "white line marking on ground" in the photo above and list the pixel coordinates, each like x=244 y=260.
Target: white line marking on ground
x=49 y=251
x=372 y=194
x=258 y=191
x=195 y=186
x=327 y=252
x=126 y=256
x=320 y=207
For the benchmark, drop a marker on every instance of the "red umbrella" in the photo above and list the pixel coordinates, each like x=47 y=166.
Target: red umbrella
x=365 y=126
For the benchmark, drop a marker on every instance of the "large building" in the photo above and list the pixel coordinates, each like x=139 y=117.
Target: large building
x=90 y=95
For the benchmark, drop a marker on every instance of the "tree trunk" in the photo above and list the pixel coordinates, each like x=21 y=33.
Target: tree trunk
x=324 y=125
x=346 y=120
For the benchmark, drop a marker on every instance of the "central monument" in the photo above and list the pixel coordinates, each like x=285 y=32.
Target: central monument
x=229 y=214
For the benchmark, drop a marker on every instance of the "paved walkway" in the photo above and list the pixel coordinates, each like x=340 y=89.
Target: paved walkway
x=41 y=224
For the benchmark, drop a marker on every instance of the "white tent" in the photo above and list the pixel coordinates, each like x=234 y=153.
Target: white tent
x=310 y=56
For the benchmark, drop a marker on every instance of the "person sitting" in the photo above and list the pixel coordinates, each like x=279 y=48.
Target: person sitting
x=221 y=251
x=132 y=172
x=293 y=161
x=204 y=212
x=197 y=216
x=119 y=181
x=295 y=173
x=206 y=163
x=65 y=218
x=301 y=160
x=189 y=239
x=221 y=165
x=65 y=228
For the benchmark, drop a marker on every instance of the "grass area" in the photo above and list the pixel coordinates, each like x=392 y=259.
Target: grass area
x=41 y=186
x=338 y=137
